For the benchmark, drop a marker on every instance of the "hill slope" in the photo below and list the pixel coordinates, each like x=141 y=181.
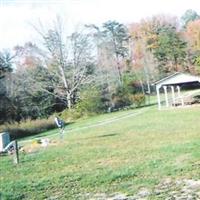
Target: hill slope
x=103 y=155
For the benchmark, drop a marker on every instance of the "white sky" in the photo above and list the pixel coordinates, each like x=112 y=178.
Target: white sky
x=17 y=15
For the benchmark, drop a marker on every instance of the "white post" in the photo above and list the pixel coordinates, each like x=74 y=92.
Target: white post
x=179 y=95
x=158 y=97
x=173 y=95
x=166 y=96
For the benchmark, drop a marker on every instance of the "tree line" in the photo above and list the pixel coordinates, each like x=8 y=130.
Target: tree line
x=95 y=69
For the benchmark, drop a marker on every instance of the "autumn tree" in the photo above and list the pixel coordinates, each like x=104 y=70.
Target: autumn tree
x=192 y=36
x=165 y=42
x=141 y=59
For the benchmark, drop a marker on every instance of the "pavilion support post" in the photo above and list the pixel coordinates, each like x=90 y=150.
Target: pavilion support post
x=173 y=95
x=166 y=96
x=158 y=97
x=179 y=95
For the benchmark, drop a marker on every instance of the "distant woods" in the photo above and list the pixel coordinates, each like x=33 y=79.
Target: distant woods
x=96 y=69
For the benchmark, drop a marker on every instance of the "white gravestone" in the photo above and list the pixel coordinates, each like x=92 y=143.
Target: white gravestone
x=4 y=140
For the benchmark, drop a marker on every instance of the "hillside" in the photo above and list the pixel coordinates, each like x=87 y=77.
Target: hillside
x=142 y=152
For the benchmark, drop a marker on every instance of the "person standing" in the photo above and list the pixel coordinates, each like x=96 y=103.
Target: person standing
x=61 y=125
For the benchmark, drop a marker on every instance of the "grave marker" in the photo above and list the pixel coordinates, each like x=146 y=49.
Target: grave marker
x=4 y=140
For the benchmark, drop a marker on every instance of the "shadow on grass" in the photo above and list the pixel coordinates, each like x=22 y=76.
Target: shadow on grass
x=107 y=135
x=100 y=136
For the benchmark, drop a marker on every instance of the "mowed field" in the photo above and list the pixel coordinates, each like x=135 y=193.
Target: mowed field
x=118 y=152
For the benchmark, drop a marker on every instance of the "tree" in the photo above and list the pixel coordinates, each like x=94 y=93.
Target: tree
x=142 y=60
x=189 y=16
x=29 y=55
x=165 y=42
x=117 y=38
x=69 y=62
x=192 y=37
x=171 y=48
x=5 y=62
x=111 y=40
x=193 y=34
x=197 y=62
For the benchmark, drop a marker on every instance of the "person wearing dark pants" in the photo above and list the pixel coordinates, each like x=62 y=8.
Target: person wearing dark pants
x=61 y=125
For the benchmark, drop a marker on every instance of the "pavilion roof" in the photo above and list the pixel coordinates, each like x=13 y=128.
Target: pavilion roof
x=177 y=79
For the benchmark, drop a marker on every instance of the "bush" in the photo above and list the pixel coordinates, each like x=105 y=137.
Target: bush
x=121 y=98
x=138 y=99
x=91 y=101
x=70 y=115
x=28 y=127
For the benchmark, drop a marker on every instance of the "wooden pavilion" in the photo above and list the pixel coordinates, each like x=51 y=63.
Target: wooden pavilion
x=173 y=83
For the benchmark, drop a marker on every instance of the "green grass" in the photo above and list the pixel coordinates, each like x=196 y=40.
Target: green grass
x=121 y=156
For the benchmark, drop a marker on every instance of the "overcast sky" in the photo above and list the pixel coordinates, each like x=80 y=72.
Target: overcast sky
x=17 y=15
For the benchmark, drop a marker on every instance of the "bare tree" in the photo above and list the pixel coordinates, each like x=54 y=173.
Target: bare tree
x=69 y=61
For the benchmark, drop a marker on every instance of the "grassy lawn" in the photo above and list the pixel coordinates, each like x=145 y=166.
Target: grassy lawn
x=121 y=156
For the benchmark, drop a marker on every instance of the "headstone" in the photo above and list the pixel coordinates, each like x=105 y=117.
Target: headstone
x=4 y=140
x=45 y=142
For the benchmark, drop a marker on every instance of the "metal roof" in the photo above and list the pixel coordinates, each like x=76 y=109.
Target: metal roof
x=177 y=78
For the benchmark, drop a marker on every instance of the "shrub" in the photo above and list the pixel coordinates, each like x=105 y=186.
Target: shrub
x=91 y=101
x=121 y=98
x=70 y=115
x=138 y=99
x=28 y=127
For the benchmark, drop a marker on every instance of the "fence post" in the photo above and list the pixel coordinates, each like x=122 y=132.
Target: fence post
x=16 y=153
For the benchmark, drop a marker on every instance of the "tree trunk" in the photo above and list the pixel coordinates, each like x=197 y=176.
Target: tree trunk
x=69 y=103
x=141 y=84
x=119 y=72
